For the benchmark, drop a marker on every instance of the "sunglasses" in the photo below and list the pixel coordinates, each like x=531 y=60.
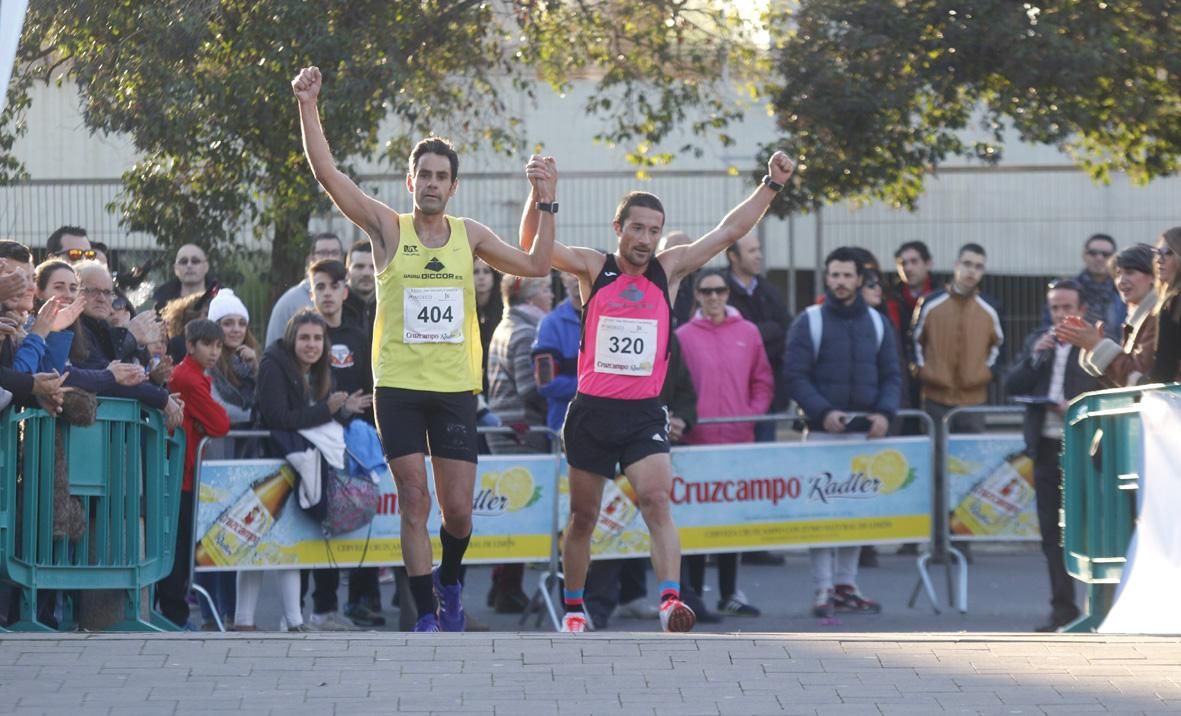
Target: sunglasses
x=78 y=254
x=718 y=291
x=186 y=260
x=1163 y=252
x=90 y=291
x=872 y=284
x=1099 y=252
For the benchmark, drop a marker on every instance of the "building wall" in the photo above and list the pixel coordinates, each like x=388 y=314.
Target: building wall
x=1033 y=213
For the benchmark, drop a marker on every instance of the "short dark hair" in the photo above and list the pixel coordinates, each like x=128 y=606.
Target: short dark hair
x=15 y=251
x=360 y=245
x=637 y=198
x=844 y=254
x=919 y=246
x=335 y=269
x=1068 y=284
x=53 y=245
x=322 y=236
x=435 y=145
x=1100 y=237
x=203 y=330
x=1065 y=284
x=974 y=248
x=1137 y=257
x=866 y=259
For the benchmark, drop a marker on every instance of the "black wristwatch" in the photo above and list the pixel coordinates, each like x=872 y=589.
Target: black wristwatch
x=551 y=207
x=772 y=184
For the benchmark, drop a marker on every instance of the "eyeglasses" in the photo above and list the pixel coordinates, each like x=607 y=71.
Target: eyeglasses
x=104 y=292
x=716 y=291
x=78 y=254
x=186 y=260
x=1099 y=252
x=327 y=254
x=1163 y=252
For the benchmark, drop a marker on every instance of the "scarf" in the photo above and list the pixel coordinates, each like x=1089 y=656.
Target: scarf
x=241 y=395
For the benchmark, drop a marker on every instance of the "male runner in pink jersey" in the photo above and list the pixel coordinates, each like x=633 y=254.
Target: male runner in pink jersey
x=616 y=417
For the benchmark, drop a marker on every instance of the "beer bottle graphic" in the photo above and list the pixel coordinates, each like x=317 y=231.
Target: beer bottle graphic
x=619 y=508
x=239 y=529
x=997 y=499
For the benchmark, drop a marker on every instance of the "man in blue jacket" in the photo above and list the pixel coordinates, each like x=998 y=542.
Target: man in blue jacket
x=555 y=354
x=841 y=359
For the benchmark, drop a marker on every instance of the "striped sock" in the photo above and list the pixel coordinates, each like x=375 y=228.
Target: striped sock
x=572 y=600
x=670 y=590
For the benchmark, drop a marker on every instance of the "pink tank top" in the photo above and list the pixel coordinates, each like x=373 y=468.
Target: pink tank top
x=625 y=327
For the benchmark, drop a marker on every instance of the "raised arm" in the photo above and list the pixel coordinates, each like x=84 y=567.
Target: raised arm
x=535 y=259
x=680 y=261
x=376 y=219
x=565 y=258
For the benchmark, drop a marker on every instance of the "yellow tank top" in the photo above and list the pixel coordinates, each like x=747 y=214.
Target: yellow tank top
x=426 y=335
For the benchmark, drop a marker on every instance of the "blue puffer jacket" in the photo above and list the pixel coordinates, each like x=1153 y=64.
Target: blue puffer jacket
x=851 y=373
x=559 y=334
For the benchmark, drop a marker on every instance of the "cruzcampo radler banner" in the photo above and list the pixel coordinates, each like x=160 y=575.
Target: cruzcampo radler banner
x=730 y=498
x=248 y=517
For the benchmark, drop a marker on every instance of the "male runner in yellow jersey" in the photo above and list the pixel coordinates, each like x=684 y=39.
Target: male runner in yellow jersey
x=426 y=341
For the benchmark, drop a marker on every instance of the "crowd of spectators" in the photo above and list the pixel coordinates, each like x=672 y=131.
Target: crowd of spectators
x=868 y=348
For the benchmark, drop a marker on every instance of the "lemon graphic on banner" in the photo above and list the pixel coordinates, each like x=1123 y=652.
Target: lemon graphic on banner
x=860 y=465
x=961 y=467
x=516 y=486
x=488 y=481
x=891 y=469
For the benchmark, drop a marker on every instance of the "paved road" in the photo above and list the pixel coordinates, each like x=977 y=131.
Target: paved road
x=1008 y=592
x=591 y=674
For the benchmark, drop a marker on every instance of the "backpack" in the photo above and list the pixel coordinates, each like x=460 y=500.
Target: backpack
x=816 y=327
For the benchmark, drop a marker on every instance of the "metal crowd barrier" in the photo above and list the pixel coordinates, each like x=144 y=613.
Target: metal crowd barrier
x=549 y=581
x=551 y=578
x=941 y=546
x=1101 y=464
x=125 y=472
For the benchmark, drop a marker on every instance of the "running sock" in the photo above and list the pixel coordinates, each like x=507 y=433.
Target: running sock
x=572 y=600
x=453 y=550
x=423 y=592
x=670 y=590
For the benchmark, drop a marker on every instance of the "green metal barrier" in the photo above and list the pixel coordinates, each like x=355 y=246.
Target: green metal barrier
x=1101 y=464
x=126 y=472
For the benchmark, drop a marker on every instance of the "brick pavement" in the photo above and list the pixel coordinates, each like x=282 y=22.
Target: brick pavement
x=505 y=674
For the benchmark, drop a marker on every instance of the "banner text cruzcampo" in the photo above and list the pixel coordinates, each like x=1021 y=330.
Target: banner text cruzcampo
x=757 y=489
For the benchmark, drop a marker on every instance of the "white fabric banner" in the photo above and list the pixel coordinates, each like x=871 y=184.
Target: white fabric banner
x=12 y=19
x=1147 y=599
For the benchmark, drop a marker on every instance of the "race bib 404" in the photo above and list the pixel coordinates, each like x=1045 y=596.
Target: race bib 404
x=432 y=315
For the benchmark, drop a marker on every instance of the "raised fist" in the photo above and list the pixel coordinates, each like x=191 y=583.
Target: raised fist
x=306 y=84
x=780 y=167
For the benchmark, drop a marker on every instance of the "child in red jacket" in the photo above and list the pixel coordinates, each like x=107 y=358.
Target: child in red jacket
x=203 y=417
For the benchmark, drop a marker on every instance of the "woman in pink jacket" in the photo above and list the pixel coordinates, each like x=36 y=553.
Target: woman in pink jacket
x=732 y=377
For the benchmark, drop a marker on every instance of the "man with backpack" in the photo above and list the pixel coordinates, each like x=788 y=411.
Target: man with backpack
x=841 y=361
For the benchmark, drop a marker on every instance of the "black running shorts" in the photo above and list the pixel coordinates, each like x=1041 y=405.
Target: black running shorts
x=422 y=421
x=602 y=433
